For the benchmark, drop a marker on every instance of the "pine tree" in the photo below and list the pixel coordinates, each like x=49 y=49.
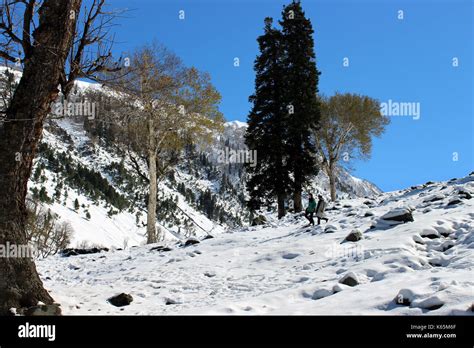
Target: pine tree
x=301 y=77
x=266 y=131
x=76 y=205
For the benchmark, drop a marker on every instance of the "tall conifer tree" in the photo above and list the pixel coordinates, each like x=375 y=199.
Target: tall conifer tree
x=266 y=132
x=301 y=79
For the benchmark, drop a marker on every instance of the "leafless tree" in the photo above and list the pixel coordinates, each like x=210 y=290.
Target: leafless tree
x=39 y=36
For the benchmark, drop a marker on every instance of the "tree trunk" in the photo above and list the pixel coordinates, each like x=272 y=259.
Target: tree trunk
x=151 y=214
x=332 y=182
x=20 y=285
x=281 y=206
x=298 y=205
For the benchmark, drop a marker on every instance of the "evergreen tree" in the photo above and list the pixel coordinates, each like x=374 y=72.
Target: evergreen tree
x=301 y=86
x=266 y=130
x=76 y=205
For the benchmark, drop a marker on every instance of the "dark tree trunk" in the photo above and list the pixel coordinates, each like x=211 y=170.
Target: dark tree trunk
x=281 y=206
x=20 y=285
x=298 y=205
x=332 y=182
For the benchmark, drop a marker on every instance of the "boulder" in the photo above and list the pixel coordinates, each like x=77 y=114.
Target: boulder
x=434 y=198
x=161 y=248
x=404 y=297
x=330 y=228
x=401 y=215
x=75 y=251
x=354 y=236
x=350 y=279
x=121 y=300
x=190 y=241
x=453 y=201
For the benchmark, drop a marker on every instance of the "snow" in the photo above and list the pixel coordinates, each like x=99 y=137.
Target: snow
x=282 y=268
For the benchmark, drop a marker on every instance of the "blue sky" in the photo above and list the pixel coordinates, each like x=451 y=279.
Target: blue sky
x=408 y=60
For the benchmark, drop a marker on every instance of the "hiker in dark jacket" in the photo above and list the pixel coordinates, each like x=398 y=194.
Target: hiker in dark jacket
x=310 y=210
x=320 y=210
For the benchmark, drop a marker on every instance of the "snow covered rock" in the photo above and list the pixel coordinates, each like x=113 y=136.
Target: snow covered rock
x=75 y=251
x=431 y=303
x=321 y=293
x=350 y=279
x=354 y=236
x=400 y=215
x=331 y=228
x=190 y=241
x=434 y=198
x=121 y=300
x=404 y=297
x=161 y=248
x=430 y=233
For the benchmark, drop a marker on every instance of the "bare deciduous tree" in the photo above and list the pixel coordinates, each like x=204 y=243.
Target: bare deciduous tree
x=166 y=107
x=39 y=36
x=348 y=123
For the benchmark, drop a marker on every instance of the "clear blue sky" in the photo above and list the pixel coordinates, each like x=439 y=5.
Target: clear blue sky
x=407 y=60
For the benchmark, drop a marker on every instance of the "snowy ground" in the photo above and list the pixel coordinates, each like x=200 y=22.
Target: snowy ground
x=283 y=268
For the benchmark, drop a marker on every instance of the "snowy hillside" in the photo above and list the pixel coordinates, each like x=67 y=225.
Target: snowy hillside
x=203 y=195
x=412 y=252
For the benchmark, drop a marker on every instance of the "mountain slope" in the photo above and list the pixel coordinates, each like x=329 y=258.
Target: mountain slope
x=418 y=267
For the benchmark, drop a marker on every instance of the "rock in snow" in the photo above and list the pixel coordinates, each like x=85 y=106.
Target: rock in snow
x=350 y=279
x=121 y=300
x=354 y=236
x=401 y=215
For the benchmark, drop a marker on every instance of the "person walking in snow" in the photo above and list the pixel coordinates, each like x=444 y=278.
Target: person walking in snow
x=320 y=210
x=310 y=210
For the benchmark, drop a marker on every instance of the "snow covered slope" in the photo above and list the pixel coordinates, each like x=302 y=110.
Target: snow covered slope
x=424 y=266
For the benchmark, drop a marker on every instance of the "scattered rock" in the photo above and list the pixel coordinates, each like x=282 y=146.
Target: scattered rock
x=121 y=300
x=259 y=220
x=43 y=310
x=330 y=228
x=430 y=304
x=161 y=248
x=404 y=297
x=74 y=251
x=290 y=256
x=430 y=233
x=354 y=236
x=463 y=193
x=338 y=288
x=368 y=214
x=418 y=239
x=170 y=301
x=434 y=198
x=210 y=274
x=401 y=215
x=321 y=293
x=454 y=201
x=209 y=236
x=349 y=279
x=191 y=241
